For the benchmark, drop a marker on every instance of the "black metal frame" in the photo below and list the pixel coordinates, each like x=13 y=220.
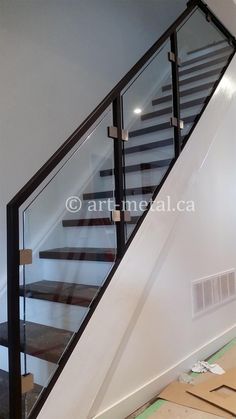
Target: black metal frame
x=119 y=175
x=114 y=98
x=13 y=261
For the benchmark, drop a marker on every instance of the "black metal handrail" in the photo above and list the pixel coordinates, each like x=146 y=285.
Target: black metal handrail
x=114 y=98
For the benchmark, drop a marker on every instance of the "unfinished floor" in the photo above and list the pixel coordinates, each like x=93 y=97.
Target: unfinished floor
x=171 y=405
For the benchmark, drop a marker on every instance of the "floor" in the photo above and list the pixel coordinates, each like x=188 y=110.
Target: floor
x=162 y=409
x=28 y=399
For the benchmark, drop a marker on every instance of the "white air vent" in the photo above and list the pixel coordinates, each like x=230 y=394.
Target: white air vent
x=213 y=291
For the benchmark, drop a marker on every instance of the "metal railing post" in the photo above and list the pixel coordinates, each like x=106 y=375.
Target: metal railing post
x=13 y=286
x=119 y=175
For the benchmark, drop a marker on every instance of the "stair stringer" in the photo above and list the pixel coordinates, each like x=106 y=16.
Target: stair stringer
x=85 y=380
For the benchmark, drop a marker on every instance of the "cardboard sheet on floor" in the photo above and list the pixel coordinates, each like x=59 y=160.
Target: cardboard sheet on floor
x=178 y=393
x=219 y=391
x=173 y=411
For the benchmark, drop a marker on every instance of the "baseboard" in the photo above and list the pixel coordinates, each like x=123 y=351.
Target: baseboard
x=143 y=394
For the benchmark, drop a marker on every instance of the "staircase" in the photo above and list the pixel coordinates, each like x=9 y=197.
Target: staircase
x=75 y=254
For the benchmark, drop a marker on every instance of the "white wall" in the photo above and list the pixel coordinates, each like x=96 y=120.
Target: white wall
x=58 y=60
x=149 y=336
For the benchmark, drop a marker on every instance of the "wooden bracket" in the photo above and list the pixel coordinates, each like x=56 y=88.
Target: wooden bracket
x=208 y=18
x=172 y=58
x=113 y=133
x=26 y=257
x=116 y=216
x=27 y=383
x=174 y=122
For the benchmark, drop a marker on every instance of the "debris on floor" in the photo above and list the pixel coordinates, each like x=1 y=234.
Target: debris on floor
x=203 y=366
x=185 y=378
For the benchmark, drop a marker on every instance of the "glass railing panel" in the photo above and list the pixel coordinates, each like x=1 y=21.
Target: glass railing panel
x=204 y=52
x=69 y=229
x=147 y=112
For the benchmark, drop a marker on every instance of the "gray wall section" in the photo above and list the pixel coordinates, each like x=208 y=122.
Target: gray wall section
x=58 y=60
x=226 y=12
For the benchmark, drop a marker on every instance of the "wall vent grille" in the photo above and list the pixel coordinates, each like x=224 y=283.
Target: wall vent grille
x=213 y=291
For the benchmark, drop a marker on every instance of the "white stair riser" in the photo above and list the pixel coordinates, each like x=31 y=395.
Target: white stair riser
x=92 y=236
x=193 y=110
x=159 y=153
x=80 y=272
x=61 y=316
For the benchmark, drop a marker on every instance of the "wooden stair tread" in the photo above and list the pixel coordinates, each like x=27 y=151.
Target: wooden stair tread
x=61 y=292
x=44 y=342
x=94 y=254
